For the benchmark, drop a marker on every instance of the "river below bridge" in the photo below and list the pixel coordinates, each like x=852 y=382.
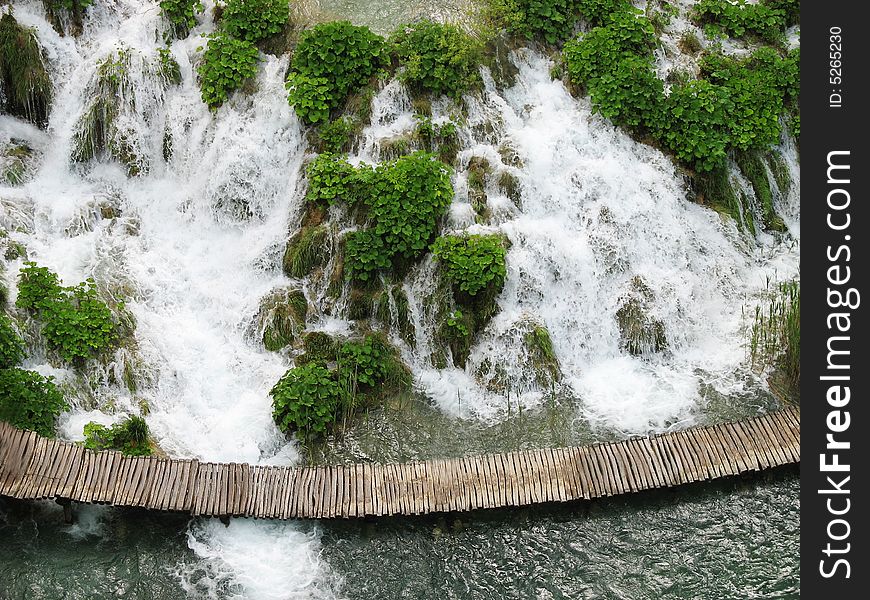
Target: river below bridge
x=730 y=539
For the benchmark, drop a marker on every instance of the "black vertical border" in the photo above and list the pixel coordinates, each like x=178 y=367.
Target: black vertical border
x=825 y=129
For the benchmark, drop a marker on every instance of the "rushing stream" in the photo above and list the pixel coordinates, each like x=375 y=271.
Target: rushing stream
x=194 y=243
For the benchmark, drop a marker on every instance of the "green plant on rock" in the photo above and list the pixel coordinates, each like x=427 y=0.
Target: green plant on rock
x=11 y=344
x=336 y=136
x=331 y=179
x=306 y=250
x=437 y=58
x=254 y=20
x=305 y=400
x=75 y=321
x=71 y=4
x=473 y=263
x=441 y=139
x=739 y=17
x=226 y=64
x=631 y=94
x=332 y=61
x=129 y=436
x=30 y=401
x=405 y=199
x=550 y=20
x=369 y=369
x=699 y=131
x=25 y=86
x=597 y=12
x=181 y=14
x=319 y=347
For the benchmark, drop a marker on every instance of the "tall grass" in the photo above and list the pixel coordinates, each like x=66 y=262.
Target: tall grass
x=775 y=340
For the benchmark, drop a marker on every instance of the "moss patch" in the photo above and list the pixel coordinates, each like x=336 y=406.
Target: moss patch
x=753 y=167
x=714 y=189
x=281 y=317
x=306 y=250
x=318 y=346
x=639 y=332
x=15 y=161
x=25 y=87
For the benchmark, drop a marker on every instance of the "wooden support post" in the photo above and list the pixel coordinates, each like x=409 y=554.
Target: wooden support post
x=67 y=509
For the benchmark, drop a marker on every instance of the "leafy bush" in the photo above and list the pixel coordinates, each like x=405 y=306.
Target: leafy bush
x=630 y=94
x=130 y=436
x=473 y=263
x=790 y=8
x=698 y=132
x=305 y=400
x=30 y=401
x=738 y=17
x=226 y=64
x=330 y=179
x=76 y=322
x=254 y=20
x=437 y=59
x=11 y=344
x=551 y=20
x=181 y=13
x=405 y=199
x=598 y=12
x=362 y=362
x=332 y=60
x=335 y=137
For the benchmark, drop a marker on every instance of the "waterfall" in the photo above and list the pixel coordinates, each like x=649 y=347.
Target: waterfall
x=599 y=226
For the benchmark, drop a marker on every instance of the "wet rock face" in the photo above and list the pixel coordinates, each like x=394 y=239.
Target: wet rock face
x=25 y=87
x=640 y=333
x=15 y=162
x=281 y=317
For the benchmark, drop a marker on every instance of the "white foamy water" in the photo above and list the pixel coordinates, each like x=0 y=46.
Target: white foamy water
x=193 y=245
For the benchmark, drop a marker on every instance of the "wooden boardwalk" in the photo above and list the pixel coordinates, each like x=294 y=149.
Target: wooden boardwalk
x=32 y=467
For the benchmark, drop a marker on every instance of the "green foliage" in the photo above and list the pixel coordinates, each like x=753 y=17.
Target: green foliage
x=76 y=322
x=698 y=132
x=11 y=344
x=405 y=199
x=71 y=4
x=25 y=87
x=181 y=13
x=473 y=263
x=775 y=338
x=330 y=179
x=226 y=64
x=597 y=12
x=550 y=20
x=30 y=401
x=790 y=8
x=130 y=436
x=336 y=136
x=361 y=363
x=630 y=94
x=254 y=20
x=332 y=60
x=437 y=58
x=456 y=324
x=305 y=400
x=306 y=250
x=739 y=17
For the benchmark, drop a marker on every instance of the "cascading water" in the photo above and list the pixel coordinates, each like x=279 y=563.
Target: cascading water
x=193 y=243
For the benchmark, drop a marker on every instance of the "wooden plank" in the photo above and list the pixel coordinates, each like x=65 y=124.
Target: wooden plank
x=686 y=456
x=722 y=463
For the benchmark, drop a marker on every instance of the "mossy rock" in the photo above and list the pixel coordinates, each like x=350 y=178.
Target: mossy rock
x=318 y=346
x=15 y=162
x=25 y=86
x=752 y=165
x=479 y=169
x=401 y=321
x=496 y=56
x=457 y=331
x=509 y=185
x=281 y=317
x=361 y=304
x=715 y=190
x=510 y=156
x=640 y=334
x=307 y=249
x=535 y=362
x=397 y=146
x=65 y=20
x=542 y=357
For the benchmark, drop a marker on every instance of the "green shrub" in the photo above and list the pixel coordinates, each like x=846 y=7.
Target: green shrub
x=601 y=50
x=305 y=400
x=630 y=94
x=550 y=20
x=71 y=4
x=473 y=263
x=405 y=199
x=369 y=369
x=442 y=139
x=181 y=14
x=226 y=64
x=254 y=20
x=11 y=344
x=738 y=17
x=25 y=86
x=598 y=12
x=332 y=60
x=130 y=436
x=330 y=179
x=437 y=59
x=698 y=130
x=30 y=401
x=790 y=8
x=336 y=136
x=76 y=322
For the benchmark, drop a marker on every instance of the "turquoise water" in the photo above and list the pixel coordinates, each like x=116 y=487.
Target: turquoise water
x=732 y=539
